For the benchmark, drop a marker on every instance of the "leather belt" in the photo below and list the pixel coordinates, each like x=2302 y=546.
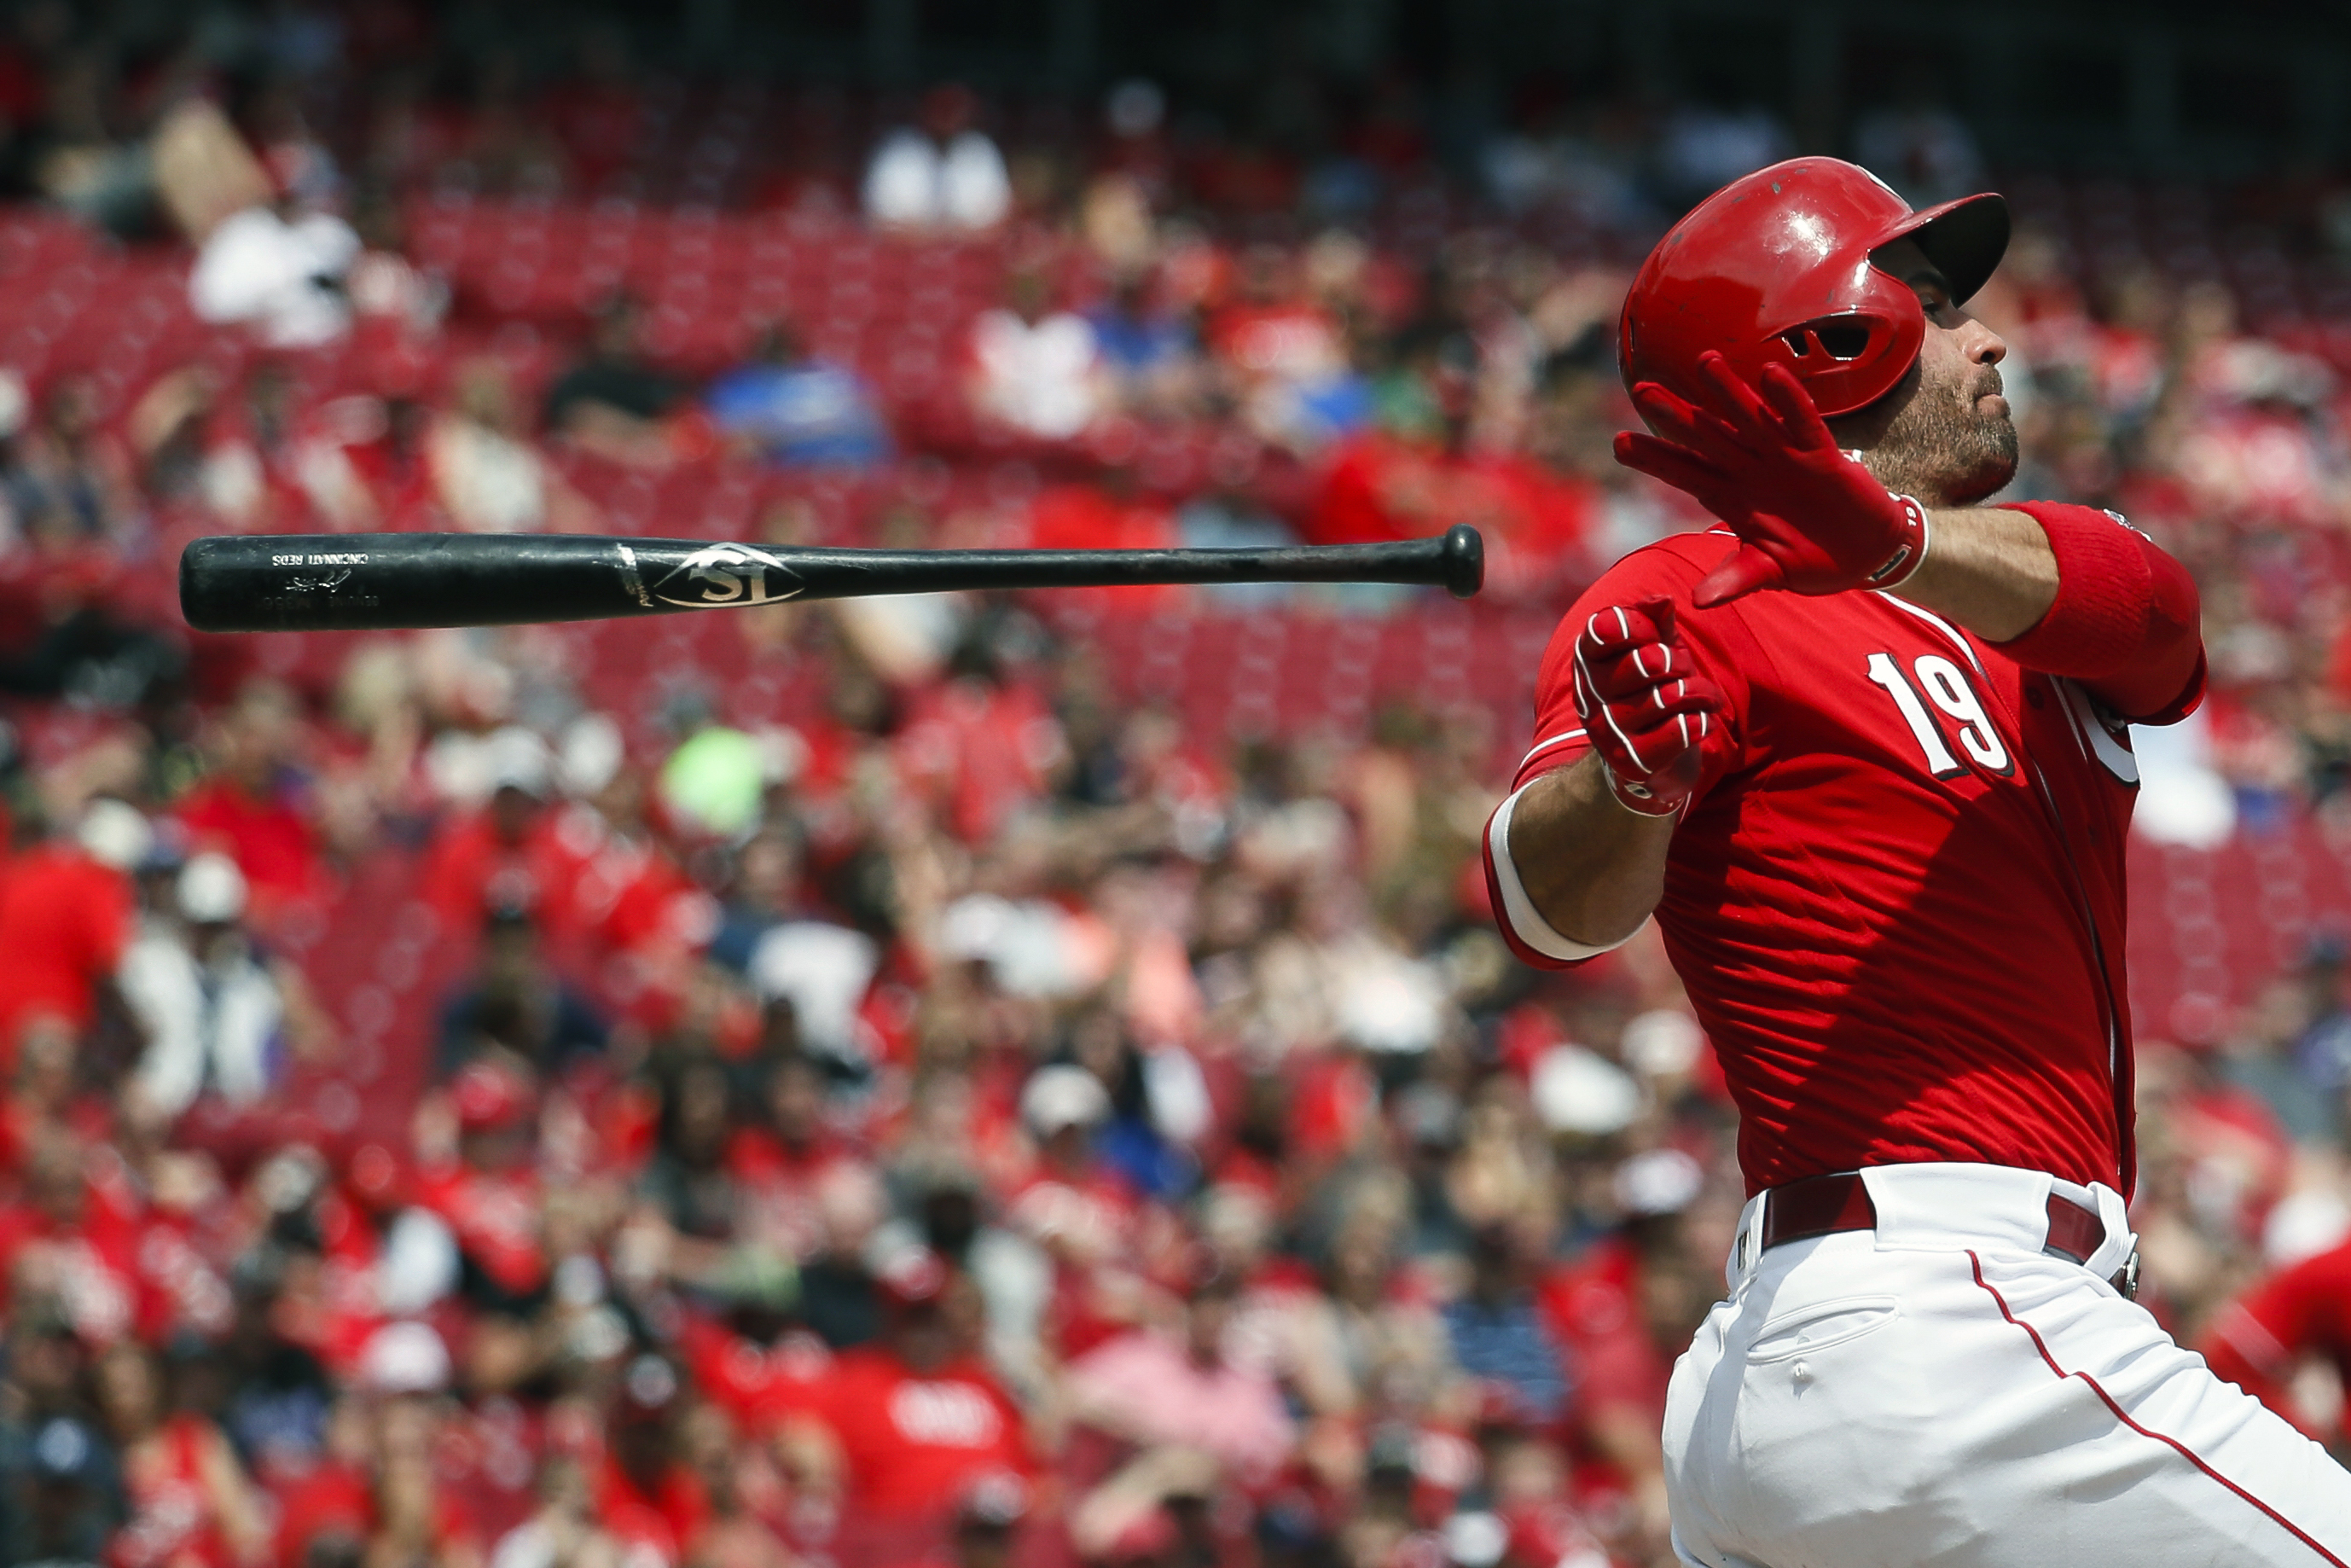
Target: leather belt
x=1826 y=1204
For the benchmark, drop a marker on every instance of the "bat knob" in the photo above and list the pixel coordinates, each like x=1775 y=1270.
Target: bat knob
x=1465 y=560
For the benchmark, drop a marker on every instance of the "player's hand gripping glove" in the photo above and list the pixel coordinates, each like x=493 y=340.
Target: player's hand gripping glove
x=1810 y=518
x=1646 y=709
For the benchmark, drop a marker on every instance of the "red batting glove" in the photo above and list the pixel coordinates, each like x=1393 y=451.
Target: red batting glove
x=1644 y=709
x=1809 y=517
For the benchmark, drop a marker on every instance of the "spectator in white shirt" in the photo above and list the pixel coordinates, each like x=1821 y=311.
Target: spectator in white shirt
x=215 y=1013
x=949 y=175
x=1036 y=370
x=280 y=267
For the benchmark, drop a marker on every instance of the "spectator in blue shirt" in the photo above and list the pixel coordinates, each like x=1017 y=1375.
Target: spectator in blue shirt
x=1498 y=1334
x=798 y=411
x=1149 y=352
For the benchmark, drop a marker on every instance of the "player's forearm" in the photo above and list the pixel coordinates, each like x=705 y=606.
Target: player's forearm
x=1987 y=568
x=1592 y=870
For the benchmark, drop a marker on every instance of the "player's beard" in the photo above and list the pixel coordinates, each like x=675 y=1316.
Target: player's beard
x=1941 y=448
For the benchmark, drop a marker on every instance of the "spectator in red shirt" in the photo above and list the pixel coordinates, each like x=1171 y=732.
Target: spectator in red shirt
x=491 y=1196
x=66 y=918
x=1621 y=1311
x=190 y=1500
x=252 y=805
x=508 y=853
x=914 y=1418
x=61 y=1243
x=1425 y=469
x=983 y=746
x=2260 y=1341
x=649 y=1498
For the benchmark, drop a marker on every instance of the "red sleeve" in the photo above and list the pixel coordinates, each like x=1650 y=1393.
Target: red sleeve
x=2127 y=621
x=1671 y=568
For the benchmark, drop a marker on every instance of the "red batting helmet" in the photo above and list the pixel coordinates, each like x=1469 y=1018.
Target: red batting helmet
x=1776 y=268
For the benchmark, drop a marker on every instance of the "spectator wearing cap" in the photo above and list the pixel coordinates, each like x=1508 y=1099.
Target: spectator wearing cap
x=911 y=1420
x=2262 y=1340
x=1076 y=1205
x=57 y=1506
x=218 y=1019
x=378 y=1489
x=67 y=918
x=499 y=849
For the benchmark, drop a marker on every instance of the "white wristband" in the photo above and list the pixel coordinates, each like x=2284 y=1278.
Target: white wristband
x=1526 y=921
x=1904 y=563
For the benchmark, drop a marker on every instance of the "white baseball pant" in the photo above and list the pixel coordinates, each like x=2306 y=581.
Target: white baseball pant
x=1940 y=1391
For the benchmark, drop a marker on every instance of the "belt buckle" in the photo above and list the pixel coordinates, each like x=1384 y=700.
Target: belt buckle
x=2126 y=1278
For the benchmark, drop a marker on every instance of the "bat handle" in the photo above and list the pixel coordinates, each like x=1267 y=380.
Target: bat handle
x=1463 y=554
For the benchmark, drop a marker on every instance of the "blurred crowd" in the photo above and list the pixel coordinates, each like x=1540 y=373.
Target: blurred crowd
x=980 y=1120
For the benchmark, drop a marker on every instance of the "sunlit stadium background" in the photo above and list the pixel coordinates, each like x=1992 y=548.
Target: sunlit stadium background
x=547 y=1096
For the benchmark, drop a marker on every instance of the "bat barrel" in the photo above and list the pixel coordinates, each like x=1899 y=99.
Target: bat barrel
x=309 y=582
x=297 y=582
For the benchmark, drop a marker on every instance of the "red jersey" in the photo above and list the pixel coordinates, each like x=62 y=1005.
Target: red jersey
x=1897 y=897
x=911 y=1444
x=65 y=920
x=654 y=1522
x=2257 y=1341
x=757 y=1385
x=272 y=843
x=172 y=1522
x=496 y=1216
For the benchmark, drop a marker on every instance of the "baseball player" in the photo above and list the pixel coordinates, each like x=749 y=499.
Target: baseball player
x=1862 y=752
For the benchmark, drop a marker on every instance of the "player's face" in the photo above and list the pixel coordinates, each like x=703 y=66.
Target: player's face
x=1945 y=434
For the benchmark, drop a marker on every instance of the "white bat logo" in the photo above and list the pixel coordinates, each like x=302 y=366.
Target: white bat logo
x=726 y=576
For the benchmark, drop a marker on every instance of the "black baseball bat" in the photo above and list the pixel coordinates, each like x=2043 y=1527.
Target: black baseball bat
x=372 y=583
